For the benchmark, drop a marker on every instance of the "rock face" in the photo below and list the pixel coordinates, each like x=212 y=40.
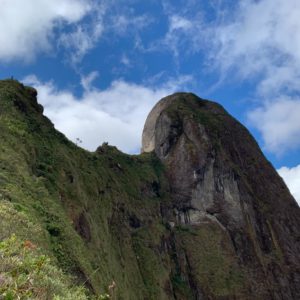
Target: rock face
x=221 y=183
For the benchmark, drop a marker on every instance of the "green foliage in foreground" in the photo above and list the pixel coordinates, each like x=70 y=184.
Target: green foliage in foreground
x=25 y=273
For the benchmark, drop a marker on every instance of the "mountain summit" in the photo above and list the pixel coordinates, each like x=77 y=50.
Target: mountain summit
x=200 y=214
x=221 y=183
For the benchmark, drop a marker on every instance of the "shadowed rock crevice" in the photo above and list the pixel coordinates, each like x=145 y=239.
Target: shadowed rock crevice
x=82 y=227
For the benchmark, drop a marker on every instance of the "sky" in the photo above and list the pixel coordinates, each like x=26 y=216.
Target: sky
x=100 y=65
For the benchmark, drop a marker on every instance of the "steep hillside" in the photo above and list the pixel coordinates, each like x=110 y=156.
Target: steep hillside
x=200 y=214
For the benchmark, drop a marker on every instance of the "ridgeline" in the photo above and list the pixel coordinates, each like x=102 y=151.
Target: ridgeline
x=200 y=214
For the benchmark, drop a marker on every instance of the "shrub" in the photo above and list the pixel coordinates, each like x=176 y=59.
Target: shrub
x=17 y=222
x=25 y=273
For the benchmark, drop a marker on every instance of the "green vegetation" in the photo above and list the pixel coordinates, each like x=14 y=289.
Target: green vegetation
x=79 y=207
x=25 y=273
x=152 y=262
x=213 y=260
x=181 y=287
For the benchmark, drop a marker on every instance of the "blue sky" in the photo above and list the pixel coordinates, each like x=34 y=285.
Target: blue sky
x=100 y=66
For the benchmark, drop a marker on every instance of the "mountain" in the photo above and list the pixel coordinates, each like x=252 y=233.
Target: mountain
x=200 y=214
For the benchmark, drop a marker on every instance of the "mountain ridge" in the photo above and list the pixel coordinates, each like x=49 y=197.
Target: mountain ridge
x=201 y=214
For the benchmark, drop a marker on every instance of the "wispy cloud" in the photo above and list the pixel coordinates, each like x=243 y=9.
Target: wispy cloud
x=183 y=35
x=84 y=36
x=116 y=114
x=123 y=23
x=259 y=41
x=260 y=37
x=179 y=33
x=87 y=81
x=125 y=60
x=80 y=41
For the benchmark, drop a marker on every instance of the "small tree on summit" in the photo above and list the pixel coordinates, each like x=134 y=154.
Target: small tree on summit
x=78 y=141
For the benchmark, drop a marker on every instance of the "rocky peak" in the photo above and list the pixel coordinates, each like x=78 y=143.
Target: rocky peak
x=185 y=131
x=218 y=175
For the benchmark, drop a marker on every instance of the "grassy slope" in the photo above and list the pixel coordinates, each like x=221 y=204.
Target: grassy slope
x=82 y=202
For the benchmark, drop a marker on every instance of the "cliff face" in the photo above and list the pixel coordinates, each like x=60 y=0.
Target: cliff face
x=201 y=214
x=221 y=182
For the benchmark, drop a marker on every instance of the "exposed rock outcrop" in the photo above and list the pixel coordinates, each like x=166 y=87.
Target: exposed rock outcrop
x=219 y=177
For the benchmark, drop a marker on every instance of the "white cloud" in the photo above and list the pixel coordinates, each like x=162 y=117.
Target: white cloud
x=291 y=177
x=34 y=26
x=81 y=40
x=260 y=41
x=183 y=36
x=125 y=60
x=86 y=81
x=179 y=23
x=262 y=37
x=84 y=35
x=122 y=23
x=116 y=114
x=27 y=27
x=279 y=123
